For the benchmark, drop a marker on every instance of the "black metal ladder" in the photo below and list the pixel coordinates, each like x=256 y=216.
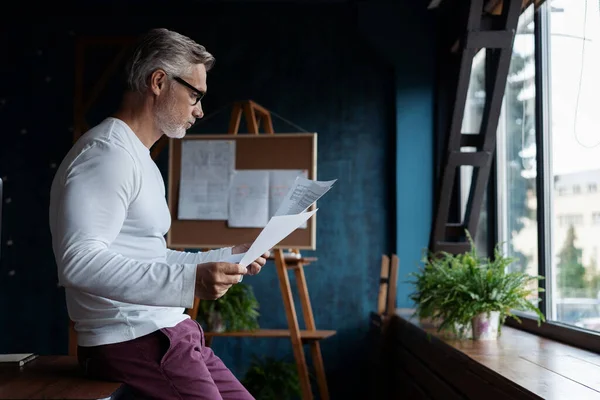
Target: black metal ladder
x=495 y=34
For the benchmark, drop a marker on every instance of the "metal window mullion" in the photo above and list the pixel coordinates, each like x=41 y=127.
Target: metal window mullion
x=502 y=201
x=544 y=163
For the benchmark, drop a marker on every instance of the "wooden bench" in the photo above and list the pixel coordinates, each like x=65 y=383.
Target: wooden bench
x=54 y=377
x=419 y=363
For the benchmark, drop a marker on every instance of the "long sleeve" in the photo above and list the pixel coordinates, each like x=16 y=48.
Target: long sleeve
x=178 y=257
x=90 y=207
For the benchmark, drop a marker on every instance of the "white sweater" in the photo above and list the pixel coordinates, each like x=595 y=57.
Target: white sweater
x=108 y=218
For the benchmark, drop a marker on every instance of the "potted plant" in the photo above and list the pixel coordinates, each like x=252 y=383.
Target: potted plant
x=237 y=310
x=491 y=293
x=268 y=378
x=430 y=283
x=466 y=292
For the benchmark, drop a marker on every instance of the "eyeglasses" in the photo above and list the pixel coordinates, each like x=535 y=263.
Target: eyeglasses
x=200 y=94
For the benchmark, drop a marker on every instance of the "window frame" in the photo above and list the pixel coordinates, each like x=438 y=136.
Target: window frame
x=569 y=334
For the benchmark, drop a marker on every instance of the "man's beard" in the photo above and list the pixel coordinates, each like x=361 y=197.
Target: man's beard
x=167 y=122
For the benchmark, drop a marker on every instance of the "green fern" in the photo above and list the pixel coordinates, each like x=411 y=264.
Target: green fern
x=456 y=288
x=238 y=309
x=272 y=379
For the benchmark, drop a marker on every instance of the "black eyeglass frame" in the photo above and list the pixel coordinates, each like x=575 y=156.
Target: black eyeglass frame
x=200 y=95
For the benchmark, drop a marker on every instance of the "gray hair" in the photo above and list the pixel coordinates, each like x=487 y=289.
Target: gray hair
x=163 y=49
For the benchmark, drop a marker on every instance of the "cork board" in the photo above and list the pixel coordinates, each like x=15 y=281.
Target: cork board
x=264 y=151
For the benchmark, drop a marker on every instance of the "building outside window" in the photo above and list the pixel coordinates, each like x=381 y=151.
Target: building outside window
x=573 y=35
x=569 y=233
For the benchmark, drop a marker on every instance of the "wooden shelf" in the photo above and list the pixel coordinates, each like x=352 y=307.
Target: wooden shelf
x=517 y=366
x=274 y=333
x=292 y=263
x=54 y=377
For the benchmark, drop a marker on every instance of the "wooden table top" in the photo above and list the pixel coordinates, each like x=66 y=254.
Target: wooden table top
x=543 y=367
x=53 y=377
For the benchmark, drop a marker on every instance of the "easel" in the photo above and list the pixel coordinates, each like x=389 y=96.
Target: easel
x=256 y=116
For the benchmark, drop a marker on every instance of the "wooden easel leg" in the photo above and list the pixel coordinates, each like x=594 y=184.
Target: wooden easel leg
x=236 y=117
x=290 y=312
x=309 y=320
x=249 y=110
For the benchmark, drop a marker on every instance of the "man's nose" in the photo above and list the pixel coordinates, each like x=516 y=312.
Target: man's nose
x=198 y=113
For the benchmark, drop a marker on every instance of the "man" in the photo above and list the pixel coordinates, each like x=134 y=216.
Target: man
x=125 y=291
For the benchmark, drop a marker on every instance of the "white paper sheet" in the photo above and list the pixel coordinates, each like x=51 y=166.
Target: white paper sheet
x=280 y=182
x=302 y=194
x=277 y=229
x=206 y=169
x=234 y=258
x=249 y=199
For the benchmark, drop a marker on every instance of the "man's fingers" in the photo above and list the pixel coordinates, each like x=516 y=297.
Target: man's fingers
x=233 y=269
x=260 y=261
x=232 y=280
x=254 y=268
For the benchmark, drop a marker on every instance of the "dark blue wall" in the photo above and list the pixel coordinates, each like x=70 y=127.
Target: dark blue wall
x=404 y=33
x=359 y=76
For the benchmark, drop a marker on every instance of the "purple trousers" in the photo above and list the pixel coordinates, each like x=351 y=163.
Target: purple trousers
x=171 y=363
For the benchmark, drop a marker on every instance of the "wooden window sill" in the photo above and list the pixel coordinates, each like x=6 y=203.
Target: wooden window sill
x=519 y=365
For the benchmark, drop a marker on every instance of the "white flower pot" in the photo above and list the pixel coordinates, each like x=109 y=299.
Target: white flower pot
x=486 y=326
x=457 y=332
x=464 y=331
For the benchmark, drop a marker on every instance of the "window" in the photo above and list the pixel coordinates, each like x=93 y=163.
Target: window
x=516 y=154
x=573 y=35
x=555 y=124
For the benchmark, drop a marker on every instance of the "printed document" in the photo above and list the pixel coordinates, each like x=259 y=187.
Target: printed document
x=280 y=182
x=303 y=193
x=291 y=215
x=278 y=228
x=249 y=199
x=255 y=195
x=206 y=169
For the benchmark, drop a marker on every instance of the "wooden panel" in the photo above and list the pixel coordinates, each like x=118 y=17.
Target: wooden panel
x=405 y=387
x=392 y=285
x=545 y=383
x=53 y=377
x=279 y=151
x=570 y=367
x=383 y=284
x=451 y=365
x=432 y=384
x=519 y=365
x=274 y=333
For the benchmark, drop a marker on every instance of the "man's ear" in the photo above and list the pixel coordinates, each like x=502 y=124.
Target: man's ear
x=158 y=80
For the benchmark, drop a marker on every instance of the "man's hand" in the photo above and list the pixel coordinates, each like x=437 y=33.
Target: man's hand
x=214 y=279
x=256 y=266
